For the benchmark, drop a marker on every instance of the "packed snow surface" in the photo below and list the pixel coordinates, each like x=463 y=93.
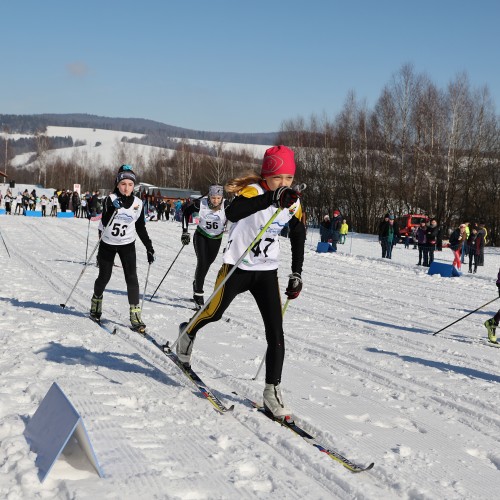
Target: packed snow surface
x=363 y=373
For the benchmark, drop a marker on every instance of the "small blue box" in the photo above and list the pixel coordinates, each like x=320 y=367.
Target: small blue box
x=445 y=270
x=65 y=215
x=324 y=247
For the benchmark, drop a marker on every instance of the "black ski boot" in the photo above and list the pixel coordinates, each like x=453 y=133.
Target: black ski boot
x=96 y=308
x=136 y=320
x=199 y=300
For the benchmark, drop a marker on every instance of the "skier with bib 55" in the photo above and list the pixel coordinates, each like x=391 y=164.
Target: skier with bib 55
x=119 y=238
x=258 y=199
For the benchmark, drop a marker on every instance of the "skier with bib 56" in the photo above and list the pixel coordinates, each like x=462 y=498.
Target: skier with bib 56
x=208 y=235
x=119 y=238
x=258 y=198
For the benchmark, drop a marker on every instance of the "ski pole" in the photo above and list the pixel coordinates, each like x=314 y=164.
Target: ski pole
x=178 y=253
x=87 y=246
x=145 y=286
x=264 y=357
x=88 y=260
x=5 y=244
x=229 y=274
x=468 y=314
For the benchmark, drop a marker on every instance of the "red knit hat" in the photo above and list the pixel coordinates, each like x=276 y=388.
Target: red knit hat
x=278 y=160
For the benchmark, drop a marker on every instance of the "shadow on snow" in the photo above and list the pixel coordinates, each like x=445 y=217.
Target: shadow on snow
x=444 y=367
x=132 y=363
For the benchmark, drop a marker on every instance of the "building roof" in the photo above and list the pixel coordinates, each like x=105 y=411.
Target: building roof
x=167 y=192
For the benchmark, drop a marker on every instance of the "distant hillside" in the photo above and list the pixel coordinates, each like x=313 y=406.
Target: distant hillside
x=29 y=124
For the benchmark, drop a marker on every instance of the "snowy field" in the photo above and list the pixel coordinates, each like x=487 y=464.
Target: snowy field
x=363 y=373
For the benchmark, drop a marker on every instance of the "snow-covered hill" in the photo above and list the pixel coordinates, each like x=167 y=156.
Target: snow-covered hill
x=102 y=147
x=363 y=372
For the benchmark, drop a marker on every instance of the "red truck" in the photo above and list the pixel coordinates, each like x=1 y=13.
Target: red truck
x=407 y=222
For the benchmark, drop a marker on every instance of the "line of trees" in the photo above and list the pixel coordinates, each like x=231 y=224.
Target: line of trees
x=189 y=167
x=419 y=149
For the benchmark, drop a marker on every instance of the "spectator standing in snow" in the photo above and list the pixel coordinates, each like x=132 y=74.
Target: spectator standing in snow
x=75 y=198
x=421 y=242
x=325 y=229
x=129 y=221
x=336 y=223
x=482 y=230
x=8 y=202
x=55 y=203
x=465 y=247
x=456 y=242
x=25 y=201
x=208 y=235
x=19 y=203
x=168 y=207
x=344 y=229
x=83 y=207
x=44 y=202
x=475 y=243
x=431 y=235
x=386 y=235
x=258 y=198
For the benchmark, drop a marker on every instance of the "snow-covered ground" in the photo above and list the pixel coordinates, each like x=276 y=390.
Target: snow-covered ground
x=363 y=373
x=104 y=146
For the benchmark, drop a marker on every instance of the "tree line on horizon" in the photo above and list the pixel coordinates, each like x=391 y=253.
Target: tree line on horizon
x=421 y=149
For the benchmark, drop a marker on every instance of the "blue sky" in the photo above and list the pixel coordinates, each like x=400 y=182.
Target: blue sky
x=242 y=66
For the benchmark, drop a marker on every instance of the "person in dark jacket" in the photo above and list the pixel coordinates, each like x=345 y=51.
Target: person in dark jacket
x=386 y=235
x=431 y=236
x=336 y=225
x=421 y=242
x=325 y=229
x=484 y=233
x=94 y=204
x=475 y=243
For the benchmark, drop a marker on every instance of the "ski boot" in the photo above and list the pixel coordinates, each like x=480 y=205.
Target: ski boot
x=491 y=326
x=96 y=308
x=199 y=300
x=273 y=402
x=135 y=319
x=184 y=346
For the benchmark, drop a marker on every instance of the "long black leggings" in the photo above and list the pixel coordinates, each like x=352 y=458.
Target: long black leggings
x=106 y=257
x=206 y=250
x=263 y=285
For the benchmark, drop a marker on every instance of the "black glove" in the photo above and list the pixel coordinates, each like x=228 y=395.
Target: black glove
x=498 y=291
x=185 y=238
x=151 y=256
x=294 y=286
x=284 y=197
x=117 y=203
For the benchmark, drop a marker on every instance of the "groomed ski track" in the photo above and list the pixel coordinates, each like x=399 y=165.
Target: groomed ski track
x=363 y=373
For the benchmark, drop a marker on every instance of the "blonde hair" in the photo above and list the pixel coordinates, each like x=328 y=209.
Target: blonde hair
x=234 y=186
